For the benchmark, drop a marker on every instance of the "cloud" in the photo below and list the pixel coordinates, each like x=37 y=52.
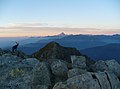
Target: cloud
x=32 y=29
x=34 y=25
x=28 y=24
x=45 y=28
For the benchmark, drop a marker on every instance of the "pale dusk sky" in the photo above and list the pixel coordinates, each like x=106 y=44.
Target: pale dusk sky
x=50 y=17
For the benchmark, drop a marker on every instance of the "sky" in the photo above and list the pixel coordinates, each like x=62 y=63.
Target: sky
x=50 y=17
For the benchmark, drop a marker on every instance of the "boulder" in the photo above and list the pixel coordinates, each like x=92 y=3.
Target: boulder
x=20 y=83
x=90 y=80
x=3 y=51
x=108 y=65
x=33 y=62
x=59 y=85
x=15 y=80
x=19 y=73
x=9 y=59
x=99 y=66
x=42 y=87
x=103 y=80
x=84 y=81
x=20 y=54
x=59 y=68
x=113 y=66
x=78 y=62
x=41 y=75
x=75 y=72
x=113 y=80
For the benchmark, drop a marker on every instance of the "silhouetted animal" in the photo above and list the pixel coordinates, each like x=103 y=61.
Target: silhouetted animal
x=14 y=48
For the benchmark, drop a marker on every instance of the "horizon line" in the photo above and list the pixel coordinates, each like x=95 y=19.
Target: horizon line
x=58 y=34
x=77 y=27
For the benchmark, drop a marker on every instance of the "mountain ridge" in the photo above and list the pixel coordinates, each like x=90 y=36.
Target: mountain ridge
x=109 y=51
x=55 y=51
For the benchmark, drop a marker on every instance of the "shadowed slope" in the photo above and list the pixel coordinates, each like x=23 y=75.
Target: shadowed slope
x=55 y=51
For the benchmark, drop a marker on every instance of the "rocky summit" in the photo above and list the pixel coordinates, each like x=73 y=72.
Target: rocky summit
x=55 y=51
x=19 y=71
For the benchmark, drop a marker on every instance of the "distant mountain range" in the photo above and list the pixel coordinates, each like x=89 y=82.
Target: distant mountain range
x=95 y=46
x=110 y=51
x=78 y=41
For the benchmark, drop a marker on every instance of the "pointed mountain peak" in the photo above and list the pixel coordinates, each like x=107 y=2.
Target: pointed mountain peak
x=55 y=51
x=62 y=34
x=53 y=44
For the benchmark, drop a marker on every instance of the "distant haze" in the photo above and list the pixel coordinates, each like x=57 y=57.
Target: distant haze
x=9 y=41
x=49 y=31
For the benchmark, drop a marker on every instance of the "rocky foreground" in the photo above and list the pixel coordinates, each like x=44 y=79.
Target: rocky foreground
x=50 y=70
